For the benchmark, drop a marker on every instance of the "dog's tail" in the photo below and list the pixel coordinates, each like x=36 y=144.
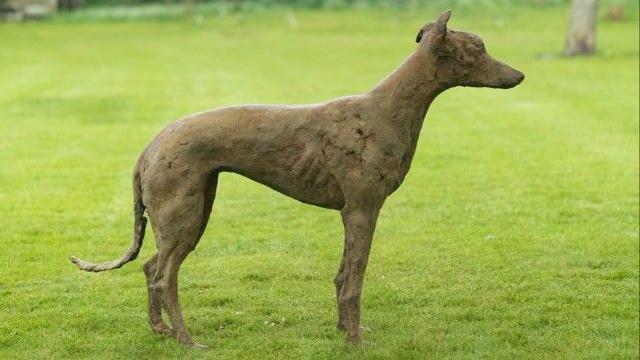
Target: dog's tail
x=138 y=234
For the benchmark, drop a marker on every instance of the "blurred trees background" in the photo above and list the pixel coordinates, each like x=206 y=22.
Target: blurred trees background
x=580 y=37
x=73 y=4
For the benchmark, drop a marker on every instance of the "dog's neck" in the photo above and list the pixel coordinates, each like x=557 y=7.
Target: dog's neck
x=409 y=90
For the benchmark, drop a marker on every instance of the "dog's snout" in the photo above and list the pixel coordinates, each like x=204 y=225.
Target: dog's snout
x=512 y=78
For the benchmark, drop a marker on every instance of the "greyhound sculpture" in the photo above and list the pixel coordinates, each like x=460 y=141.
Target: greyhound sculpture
x=347 y=154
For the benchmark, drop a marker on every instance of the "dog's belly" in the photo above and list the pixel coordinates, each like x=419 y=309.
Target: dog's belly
x=296 y=169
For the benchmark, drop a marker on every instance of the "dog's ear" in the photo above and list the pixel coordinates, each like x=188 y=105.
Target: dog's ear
x=434 y=32
x=440 y=29
x=419 y=36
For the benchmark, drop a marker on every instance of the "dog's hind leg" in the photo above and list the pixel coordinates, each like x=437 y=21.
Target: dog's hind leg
x=165 y=284
x=178 y=231
x=179 y=254
x=154 y=296
x=170 y=296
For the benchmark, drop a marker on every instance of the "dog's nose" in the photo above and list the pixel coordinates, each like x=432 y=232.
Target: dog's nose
x=519 y=77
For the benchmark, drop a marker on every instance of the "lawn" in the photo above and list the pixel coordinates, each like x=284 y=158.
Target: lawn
x=515 y=234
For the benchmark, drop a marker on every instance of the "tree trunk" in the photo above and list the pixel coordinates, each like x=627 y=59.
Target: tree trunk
x=581 y=32
x=187 y=6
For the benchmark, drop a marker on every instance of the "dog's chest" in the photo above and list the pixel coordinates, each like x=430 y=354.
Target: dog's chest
x=391 y=158
x=370 y=153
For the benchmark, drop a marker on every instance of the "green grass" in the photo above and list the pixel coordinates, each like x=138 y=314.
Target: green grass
x=515 y=233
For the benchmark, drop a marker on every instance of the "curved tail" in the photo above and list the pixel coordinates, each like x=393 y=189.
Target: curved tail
x=138 y=235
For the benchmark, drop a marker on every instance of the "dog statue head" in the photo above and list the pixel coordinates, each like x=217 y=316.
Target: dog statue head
x=462 y=58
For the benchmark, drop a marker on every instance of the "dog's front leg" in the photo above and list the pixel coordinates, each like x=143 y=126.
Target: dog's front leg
x=338 y=281
x=359 y=225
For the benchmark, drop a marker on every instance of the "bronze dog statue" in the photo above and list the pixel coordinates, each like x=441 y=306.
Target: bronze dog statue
x=347 y=154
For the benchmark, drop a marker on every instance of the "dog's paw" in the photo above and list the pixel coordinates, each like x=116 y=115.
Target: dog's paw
x=163 y=329
x=198 y=346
